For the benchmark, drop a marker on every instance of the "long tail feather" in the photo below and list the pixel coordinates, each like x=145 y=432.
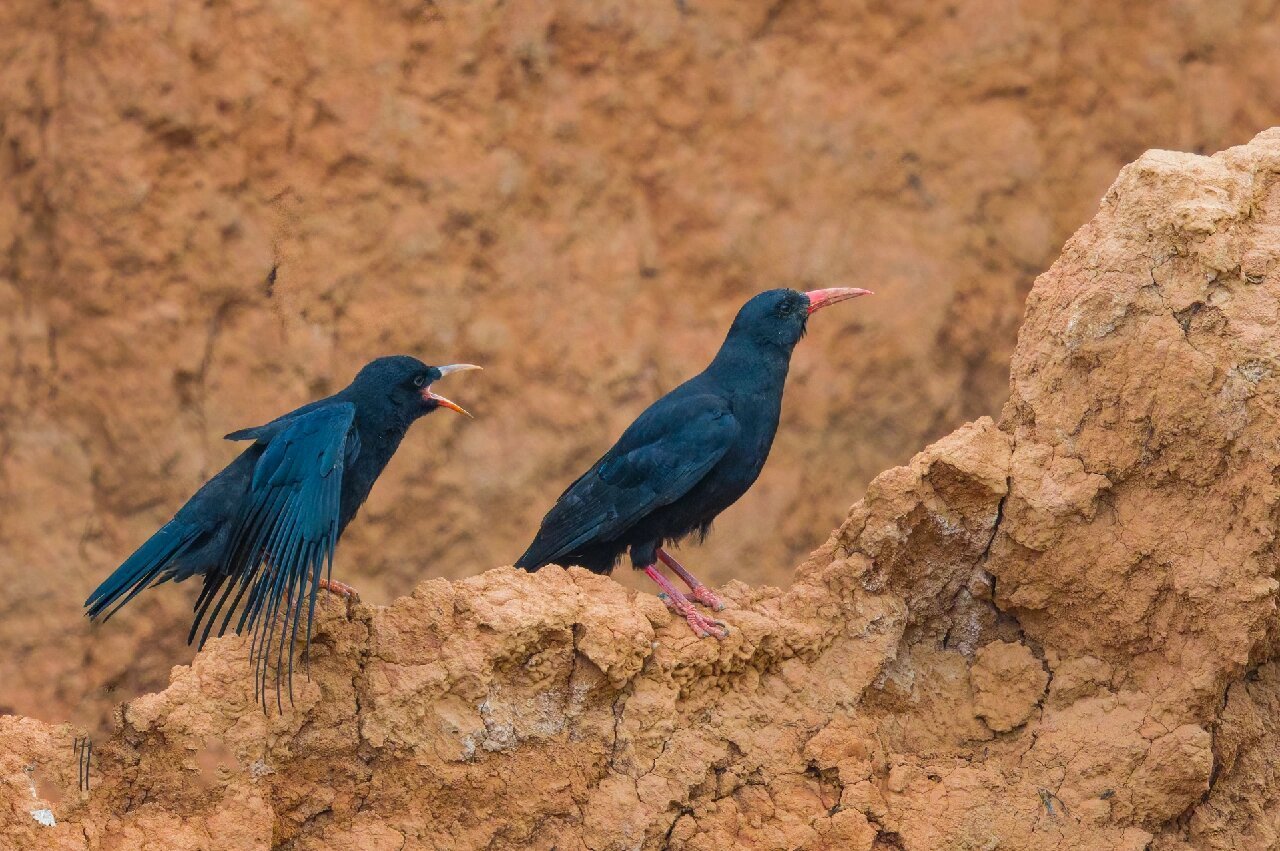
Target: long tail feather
x=140 y=569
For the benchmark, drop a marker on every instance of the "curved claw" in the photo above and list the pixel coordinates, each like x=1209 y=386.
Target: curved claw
x=705 y=627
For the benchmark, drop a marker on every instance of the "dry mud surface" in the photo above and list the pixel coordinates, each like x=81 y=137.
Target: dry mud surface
x=1053 y=632
x=577 y=195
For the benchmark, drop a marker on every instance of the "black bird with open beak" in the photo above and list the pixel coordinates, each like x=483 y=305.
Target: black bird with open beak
x=687 y=458
x=268 y=524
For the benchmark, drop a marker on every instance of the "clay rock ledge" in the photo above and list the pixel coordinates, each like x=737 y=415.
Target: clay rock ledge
x=1057 y=632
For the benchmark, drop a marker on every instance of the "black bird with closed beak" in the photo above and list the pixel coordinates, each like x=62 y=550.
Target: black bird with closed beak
x=687 y=458
x=268 y=524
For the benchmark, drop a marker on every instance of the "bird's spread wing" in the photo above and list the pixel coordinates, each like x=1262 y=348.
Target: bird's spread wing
x=284 y=535
x=658 y=460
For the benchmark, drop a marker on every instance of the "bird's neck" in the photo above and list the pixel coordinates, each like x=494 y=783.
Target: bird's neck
x=380 y=435
x=384 y=431
x=381 y=425
x=748 y=366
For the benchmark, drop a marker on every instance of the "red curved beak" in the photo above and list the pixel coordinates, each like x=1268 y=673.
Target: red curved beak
x=819 y=299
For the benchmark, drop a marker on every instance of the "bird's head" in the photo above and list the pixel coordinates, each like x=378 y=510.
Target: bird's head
x=406 y=382
x=778 y=317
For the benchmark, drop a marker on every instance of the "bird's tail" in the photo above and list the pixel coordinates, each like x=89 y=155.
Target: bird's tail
x=141 y=569
x=529 y=561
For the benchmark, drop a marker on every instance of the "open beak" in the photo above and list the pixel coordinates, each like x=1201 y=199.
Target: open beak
x=819 y=299
x=442 y=401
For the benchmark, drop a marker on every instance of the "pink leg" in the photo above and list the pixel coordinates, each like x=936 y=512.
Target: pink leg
x=697 y=591
x=342 y=589
x=701 y=625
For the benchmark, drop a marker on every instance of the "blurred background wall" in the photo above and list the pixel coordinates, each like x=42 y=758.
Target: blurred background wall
x=213 y=212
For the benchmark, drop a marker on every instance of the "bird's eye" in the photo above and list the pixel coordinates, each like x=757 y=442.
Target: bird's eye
x=419 y=380
x=785 y=308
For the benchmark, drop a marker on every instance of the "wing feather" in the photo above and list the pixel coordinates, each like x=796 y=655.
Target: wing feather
x=658 y=460
x=282 y=539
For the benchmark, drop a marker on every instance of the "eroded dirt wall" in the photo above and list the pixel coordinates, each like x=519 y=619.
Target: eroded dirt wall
x=577 y=196
x=1054 y=632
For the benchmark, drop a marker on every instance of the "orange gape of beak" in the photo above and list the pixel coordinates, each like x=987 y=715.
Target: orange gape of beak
x=427 y=395
x=819 y=299
x=444 y=403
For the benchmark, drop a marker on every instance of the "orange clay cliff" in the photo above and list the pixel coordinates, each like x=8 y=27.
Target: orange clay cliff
x=1055 y=631
x=211 y=213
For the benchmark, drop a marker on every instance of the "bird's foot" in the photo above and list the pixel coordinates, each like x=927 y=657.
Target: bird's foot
x=342 y=589
x=702 y=625
x=697 y=591
x=707 y=597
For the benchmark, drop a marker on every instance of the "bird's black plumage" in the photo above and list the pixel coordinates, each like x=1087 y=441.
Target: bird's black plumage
x=690 y=455
x=262 y=531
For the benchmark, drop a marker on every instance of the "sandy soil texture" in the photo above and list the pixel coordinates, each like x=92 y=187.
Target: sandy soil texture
x=576 y=195
x=1057 y=631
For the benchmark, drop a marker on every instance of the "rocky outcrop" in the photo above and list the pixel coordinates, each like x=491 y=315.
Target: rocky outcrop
x=1057 y=632
x=211 y=213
